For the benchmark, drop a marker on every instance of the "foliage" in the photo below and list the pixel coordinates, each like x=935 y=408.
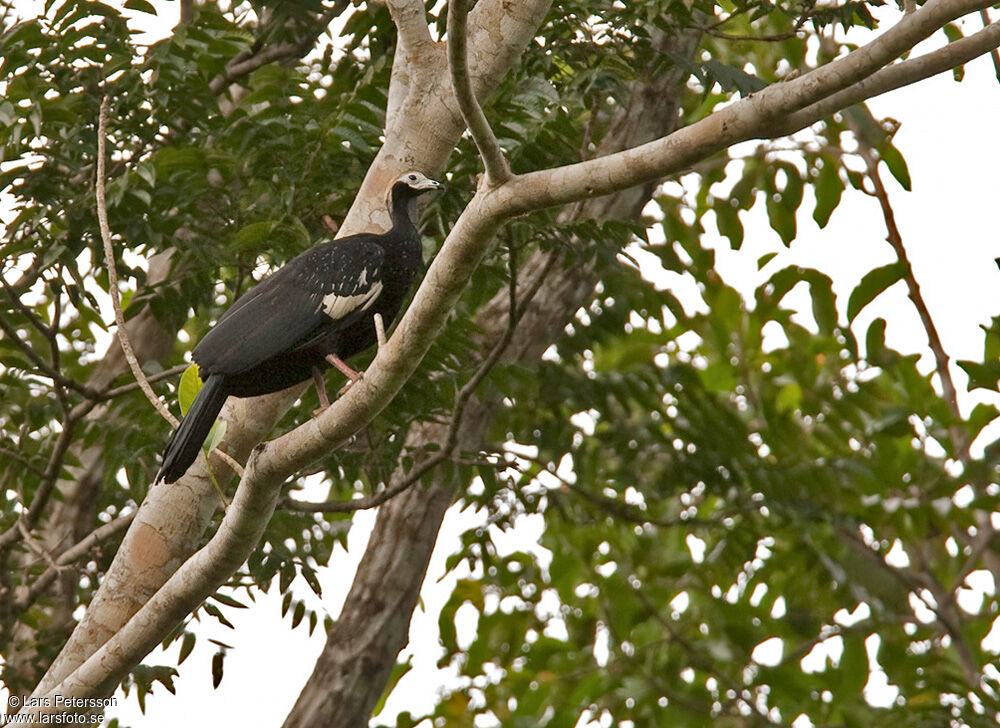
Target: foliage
x=711 y=478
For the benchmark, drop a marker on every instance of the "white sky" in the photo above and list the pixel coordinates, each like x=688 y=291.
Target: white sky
x=948 y=222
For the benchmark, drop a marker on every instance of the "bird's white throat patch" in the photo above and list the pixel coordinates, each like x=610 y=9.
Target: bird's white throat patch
x=338 y=307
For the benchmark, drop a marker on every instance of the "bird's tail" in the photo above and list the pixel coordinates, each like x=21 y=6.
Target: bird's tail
x=193 y=429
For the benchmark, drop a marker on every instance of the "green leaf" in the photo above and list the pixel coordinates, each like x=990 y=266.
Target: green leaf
x=829 y=188
x=982 y=376
x=189 y=387
x=824 y=302
x=732 y=78
x=253 y=236
x=141 y=5
x=872 y=284
x=398 y=671
x=298 y=613
x=727 y=219
x=781 y=206
x=228 y=601
x=218 y=660
x=897 y=165
x=215 y=435
x=187 y=644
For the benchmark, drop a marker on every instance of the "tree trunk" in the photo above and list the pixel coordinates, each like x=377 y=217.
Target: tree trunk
x=351 y=672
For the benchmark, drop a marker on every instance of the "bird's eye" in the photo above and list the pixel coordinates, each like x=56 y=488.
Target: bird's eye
x=413 y=177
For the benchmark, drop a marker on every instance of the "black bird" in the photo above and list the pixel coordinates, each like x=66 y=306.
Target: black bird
x=313 y=312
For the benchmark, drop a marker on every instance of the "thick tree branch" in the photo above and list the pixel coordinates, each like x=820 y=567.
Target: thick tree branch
x=173 y=523
x=272 y=462
x=410 y=20
x=994 y=54
x=497 y=169
x=756 y=116
x=362 y=648
x=896 y=76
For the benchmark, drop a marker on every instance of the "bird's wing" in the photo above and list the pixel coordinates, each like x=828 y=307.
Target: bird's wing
x=329 y=285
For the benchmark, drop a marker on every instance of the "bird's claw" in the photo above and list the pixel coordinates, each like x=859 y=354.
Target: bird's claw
x=349 y=383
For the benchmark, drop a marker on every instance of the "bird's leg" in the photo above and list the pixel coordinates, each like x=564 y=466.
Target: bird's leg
x=352 y=376
x=343 y=368
x=379 y=330
x=324 y=401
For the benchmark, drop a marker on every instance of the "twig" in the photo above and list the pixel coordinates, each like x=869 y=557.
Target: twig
x=95 y=537
x=109 y=257
x=774 y=37
x=958 y=436
x=243 y=64
x=497 y=169
x=994 y=54
x=44 y=369
x=33 y=545
x=29 y=518
x=125 y=388
x=697 y=658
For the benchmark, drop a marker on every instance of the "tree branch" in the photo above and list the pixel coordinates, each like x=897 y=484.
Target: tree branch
x=760 y=115
x=175 y=519
x=109 y=262
x=960 y=441
x=272 y=462
x=81 y=548
x=497 y=169
x=246 y=63
x=44 y=369
x=109 y=258
x=28 y=519
x=410 y=20
x=896 y=76
x=994 y=54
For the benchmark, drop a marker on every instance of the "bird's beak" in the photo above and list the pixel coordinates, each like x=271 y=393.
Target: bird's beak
x=429 y=185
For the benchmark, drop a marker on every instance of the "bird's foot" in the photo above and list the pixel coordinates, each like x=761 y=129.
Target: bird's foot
x=379 y=330
x=324 y=401
x=342 y=367
x=349 y=383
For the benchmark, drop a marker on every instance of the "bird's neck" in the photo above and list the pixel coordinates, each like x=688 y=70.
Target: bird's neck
x=403 y=209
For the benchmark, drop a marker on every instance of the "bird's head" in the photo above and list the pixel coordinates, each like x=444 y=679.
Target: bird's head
x=407 y=187
x=416 y=183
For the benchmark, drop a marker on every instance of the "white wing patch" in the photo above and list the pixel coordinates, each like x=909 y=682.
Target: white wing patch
x=337 y=307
